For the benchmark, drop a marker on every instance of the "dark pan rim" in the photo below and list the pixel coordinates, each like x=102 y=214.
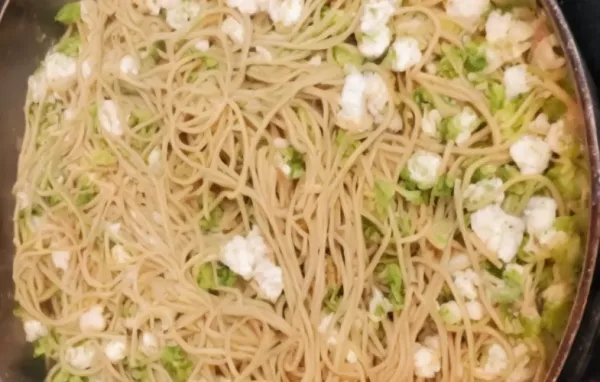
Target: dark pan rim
x=587 y=98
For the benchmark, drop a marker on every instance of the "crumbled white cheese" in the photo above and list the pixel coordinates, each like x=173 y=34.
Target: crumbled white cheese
x=149 y=344
x=423 y=167
x=450 y=312
x=465 y=122
x=467 y=9
x=153 y=7
x=248 y=7
x=114 y=228
x=81 y=357
x=328 y=326
x=116 y=350
x=60 y=259
x=92 y=319
x=286 y=12
x=242 y=254
x=234 y=29
x=181 y=16
x=379 y=306
x=516 y=81
x=375 y=43
x=154 y=161
x=531 y=154
x=376 y=14
x=34 y=330
x=120 y=254
x=475 y=310
x=558 y=139
x=476 y=192
x=406 y=54
x=353 y=102
x=108 y=115
x=458 y=262
x=351 y=357
x=377 y=95
x=466 y=282
x=280 y=143
x=497 y=360
x=269 y=278
x=60 y=67
x=315 y=60
x=38 y=86
x=497 y=26
x=129 y=65
x=202 y=45
x=500 y=232
x=540 y=214
x=431 y=123
x=540 y=124
x=426 y=361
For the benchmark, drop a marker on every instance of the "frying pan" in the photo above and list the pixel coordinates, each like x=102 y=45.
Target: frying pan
x=28 y=29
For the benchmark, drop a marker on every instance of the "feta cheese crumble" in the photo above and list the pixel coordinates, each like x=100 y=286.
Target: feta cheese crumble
x=285 y=12
x=181 y=15
x=475 y=310
x=431 y=123
x=234 y=29
x=120 y=254
x=379 y=306
x=540 y=214
x=426 y=361
x=423 y=167
x=477 y=192
x=497 y=360
x=531 y=154
x=353 y=103
x=467 y=9
x=375 y=43
x=60 y=67
x=116 y=350
x=466 y=282
x=406 y=54
x=149 y=344
x=108 y=115
x=92 y=319
x=500 y=232
x=269 y=279
x=60 y=259
x=248 y=7
x=34 y=330
x=129 y=65
x=81 y=357
x=516 y=81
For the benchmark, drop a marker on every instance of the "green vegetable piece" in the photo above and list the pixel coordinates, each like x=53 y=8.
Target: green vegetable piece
x=391 y=276
x=450 y=313
x=70 y=46
x=444 y=187
x=211 y=222
x=344 y=54
x=531 y=322
x=496 y=93
x=568 y=178
x=512 y=288
x=476 y=59
x=87 y=191
x=416 y=197
x=206 y=276
x=63 y=376
x=508 y=172
x=452 y=63
x=558 y=300
x=487 y=171
x=177 y=363
x=554 y=108
x=103 y=157
x=459 y=127
x=294 y=159
x=345 y=142
x=422 y=97
x=332 y=299
x=70 y=13
x=384 y=194
x=45 y=346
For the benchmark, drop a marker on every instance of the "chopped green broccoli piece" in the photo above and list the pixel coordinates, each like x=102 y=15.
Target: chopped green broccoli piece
x=69 y=13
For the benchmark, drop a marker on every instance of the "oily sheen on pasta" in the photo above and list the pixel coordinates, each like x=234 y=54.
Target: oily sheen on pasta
x=300 y=190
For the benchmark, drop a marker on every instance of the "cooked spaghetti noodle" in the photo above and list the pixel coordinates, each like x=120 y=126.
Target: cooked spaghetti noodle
x=291 y=190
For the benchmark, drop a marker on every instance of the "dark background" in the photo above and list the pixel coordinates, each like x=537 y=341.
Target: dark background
x=584 y=361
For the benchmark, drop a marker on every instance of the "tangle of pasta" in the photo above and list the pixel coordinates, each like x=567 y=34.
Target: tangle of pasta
x=300 y=190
